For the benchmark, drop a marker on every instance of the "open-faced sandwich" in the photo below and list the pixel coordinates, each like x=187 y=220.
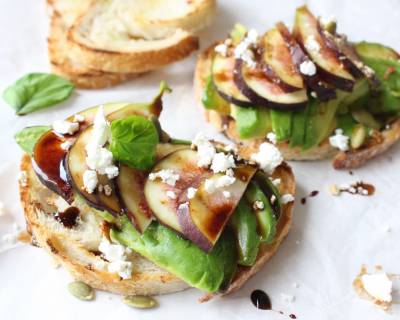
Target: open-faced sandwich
x=311 y=91
x=127 y=209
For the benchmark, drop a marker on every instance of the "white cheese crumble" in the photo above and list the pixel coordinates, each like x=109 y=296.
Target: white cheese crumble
x=183 y=206
x=326 y=21
x=226 y=194
x=379 y=286
x=243 y=49
x=170 y=194
x=222 y=49
x=339 y=140
x=65 y=127
x=66 y=145
x=286 y=198
x=258 y=205
x=287 y=298
x=191 y=192
x=276 y=182
x=222 y=162
x=209 y=186
x=308 y=68
x=117 y=256
x=224 y=181
x=167 y=176
x=205 y=150
x=23 y=178
x=98 y=158
x=268 y=157
x=90 y=180
x=311 y=44
x=79 y=118
x=271 y=136
x=273 y=199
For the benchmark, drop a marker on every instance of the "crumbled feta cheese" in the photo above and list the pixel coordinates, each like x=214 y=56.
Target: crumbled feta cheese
x=224 y=181
x=226 y=194
x=271 y=136
x=308 y=68
x=252 y=36
x=311 y=44
x=230 y=173
x=258 y=205
x=117 y=256
x=209 y=186
x=313 y=94
x=191 y=192
x=287 y=297
x=2 y=211
x=243 y=51
x=326 y=21
x=273 y=199
x=231 y=148
x=23 y=178
x=183 y=206
x=167 y=176
x=378 y=285
x=99 y=158
x=79 y=118
x=90 y=180
x=107 y=190
x=222 y=162
x=65 y=127
x=268 y=157
x=205 y=150
x=286 y=198
x=222 y=49
x=170 y=194
x=339 y=140
x=276 y=182
x=66 y=145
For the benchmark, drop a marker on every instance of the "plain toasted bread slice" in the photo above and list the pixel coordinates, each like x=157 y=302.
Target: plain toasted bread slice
x=137 y=36
x=62 y=63
x=341 y=160
x=75 y=249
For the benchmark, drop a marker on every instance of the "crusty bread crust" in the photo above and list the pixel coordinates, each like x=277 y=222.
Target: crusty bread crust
x=78 y=257
x=341 y=160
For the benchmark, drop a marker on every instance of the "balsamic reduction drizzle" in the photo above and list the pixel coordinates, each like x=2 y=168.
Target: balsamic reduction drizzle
x=68 y=217
x=261 y=300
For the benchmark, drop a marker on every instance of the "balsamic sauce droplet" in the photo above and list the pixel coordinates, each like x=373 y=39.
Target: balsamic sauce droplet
x=314 y=193
x=303 y=200
x=68 y=217
x=292 y=316
x=261 y=300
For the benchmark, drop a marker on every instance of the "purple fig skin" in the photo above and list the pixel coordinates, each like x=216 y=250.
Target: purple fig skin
x=190 y=231
x=257 y=99
x=315 y=82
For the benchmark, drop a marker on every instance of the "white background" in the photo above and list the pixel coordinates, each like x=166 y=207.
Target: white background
x=331 y=236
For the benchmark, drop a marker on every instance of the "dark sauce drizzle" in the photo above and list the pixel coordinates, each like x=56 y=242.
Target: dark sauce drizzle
x=262 y=301
x=312 y=194
x=68 y=217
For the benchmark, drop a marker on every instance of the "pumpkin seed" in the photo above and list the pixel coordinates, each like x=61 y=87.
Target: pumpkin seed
x=365 y=118
x=141 y=302
x=358 y=136
x=81 y=290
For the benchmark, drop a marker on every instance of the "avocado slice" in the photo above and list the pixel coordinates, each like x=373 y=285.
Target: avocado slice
x=282 y=124
x=299 y=119
x=161 y=245
x=244 y=224
x=212 y=100
x=265 y=216
x=376 y=51
x=252 y=122
x=346 y=123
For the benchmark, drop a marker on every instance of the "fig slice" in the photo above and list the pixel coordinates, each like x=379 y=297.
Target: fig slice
x=328 y=60
x=202 y=218
x=263 y=91
x=223 y=69
x=322 y=90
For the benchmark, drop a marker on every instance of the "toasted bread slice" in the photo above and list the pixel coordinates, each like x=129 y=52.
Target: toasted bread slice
x=76 y=248
x=341 y=160
x=138 y=36
x=63 y=64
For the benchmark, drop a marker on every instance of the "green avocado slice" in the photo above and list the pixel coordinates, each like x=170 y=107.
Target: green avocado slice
x=244 y=224
x=251 y=122
x=282 y=124
x=206 y=271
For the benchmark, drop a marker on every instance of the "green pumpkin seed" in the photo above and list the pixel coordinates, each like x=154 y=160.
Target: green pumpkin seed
x=358 y=136
x=365 y=118
x=140 y=302
x=81 y=290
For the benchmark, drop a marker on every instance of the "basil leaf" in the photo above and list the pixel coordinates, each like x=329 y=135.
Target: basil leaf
x=133 y=141
x=27 y=137
x=36 y=91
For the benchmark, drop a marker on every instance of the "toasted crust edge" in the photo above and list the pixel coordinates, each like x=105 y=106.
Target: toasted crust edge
x=341 y=160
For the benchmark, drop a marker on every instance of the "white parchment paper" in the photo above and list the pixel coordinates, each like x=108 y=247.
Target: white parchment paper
x=331 y=236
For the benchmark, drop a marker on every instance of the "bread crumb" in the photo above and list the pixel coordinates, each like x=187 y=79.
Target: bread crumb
x=334 y=190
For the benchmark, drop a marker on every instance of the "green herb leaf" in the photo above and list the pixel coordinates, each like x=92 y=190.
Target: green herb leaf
x=133 y=141
x=27 y=137
x=36 y=91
